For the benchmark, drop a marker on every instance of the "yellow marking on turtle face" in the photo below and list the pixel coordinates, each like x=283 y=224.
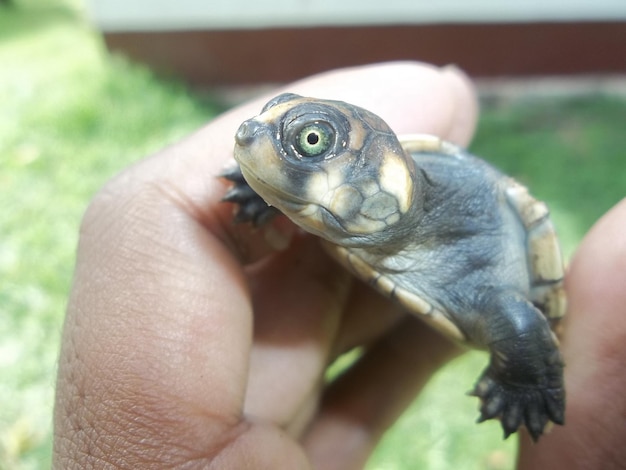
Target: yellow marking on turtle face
x=362 y=225
x=308 y=210
x=309 y=217
x=321 y=186
x=392 y=219
x=343 y=202
x=357 y=137
x=327 y=189
x=275 y=113
x=395 y=179
x=317 y=187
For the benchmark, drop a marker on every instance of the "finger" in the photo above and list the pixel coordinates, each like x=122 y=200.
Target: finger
x=368 y=316
x=360 y=405
x=595 y=372
x=462 y=127
x=299 y=296
x=157 y=335
x=308 y=310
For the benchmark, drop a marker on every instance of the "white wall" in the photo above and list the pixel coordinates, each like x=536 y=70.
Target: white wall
x=136 y=15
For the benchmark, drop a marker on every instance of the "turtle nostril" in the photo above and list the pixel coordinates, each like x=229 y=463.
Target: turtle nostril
x=247 y=131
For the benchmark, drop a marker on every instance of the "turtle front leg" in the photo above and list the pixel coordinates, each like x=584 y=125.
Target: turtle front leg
x=523 y=383
x=250 y=206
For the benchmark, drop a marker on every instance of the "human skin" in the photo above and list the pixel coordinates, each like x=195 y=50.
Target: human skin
x=191 y=342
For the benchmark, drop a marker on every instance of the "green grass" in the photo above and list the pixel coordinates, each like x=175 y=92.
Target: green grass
x=72 y=116
x=570 y=152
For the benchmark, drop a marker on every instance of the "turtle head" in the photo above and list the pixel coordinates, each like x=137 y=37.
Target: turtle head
x=335 y=169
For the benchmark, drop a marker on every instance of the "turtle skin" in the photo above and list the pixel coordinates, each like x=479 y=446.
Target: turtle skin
x=443 y=233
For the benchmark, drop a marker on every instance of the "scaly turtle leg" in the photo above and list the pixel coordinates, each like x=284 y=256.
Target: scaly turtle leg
x=523 y=383
x=250 y=206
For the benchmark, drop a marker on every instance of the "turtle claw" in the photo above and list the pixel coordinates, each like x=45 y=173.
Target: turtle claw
x=517 y=405
x=232 y=173
x=250 y=207
x=240 y=193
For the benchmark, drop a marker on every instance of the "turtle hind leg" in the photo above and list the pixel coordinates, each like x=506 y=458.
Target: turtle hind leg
x=516 y=406
x=250 y=206
x=523 y=384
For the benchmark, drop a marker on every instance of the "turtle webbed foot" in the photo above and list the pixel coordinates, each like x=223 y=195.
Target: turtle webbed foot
x=519 y=405
x=250 y=207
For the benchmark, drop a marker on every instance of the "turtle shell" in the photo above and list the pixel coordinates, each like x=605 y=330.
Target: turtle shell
x=543 y=249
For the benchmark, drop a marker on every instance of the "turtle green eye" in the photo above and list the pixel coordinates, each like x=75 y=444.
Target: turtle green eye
x=314 y=139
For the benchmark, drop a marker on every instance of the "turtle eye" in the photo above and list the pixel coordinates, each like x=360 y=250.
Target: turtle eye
x=314 y=139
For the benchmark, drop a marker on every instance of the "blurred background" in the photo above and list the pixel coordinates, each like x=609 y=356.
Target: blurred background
x=88 y=88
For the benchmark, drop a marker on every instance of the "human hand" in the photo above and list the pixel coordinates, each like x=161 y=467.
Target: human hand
x=160 y=365
x=594 y=335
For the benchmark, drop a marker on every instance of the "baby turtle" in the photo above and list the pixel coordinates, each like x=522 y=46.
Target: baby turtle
x=443 y=233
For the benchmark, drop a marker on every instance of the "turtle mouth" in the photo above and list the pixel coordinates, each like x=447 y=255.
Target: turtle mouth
x=318 y=220
x=332 y=223
x=268 y=191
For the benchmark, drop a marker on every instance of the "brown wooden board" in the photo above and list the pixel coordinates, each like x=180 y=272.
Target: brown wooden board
x=278 y=55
